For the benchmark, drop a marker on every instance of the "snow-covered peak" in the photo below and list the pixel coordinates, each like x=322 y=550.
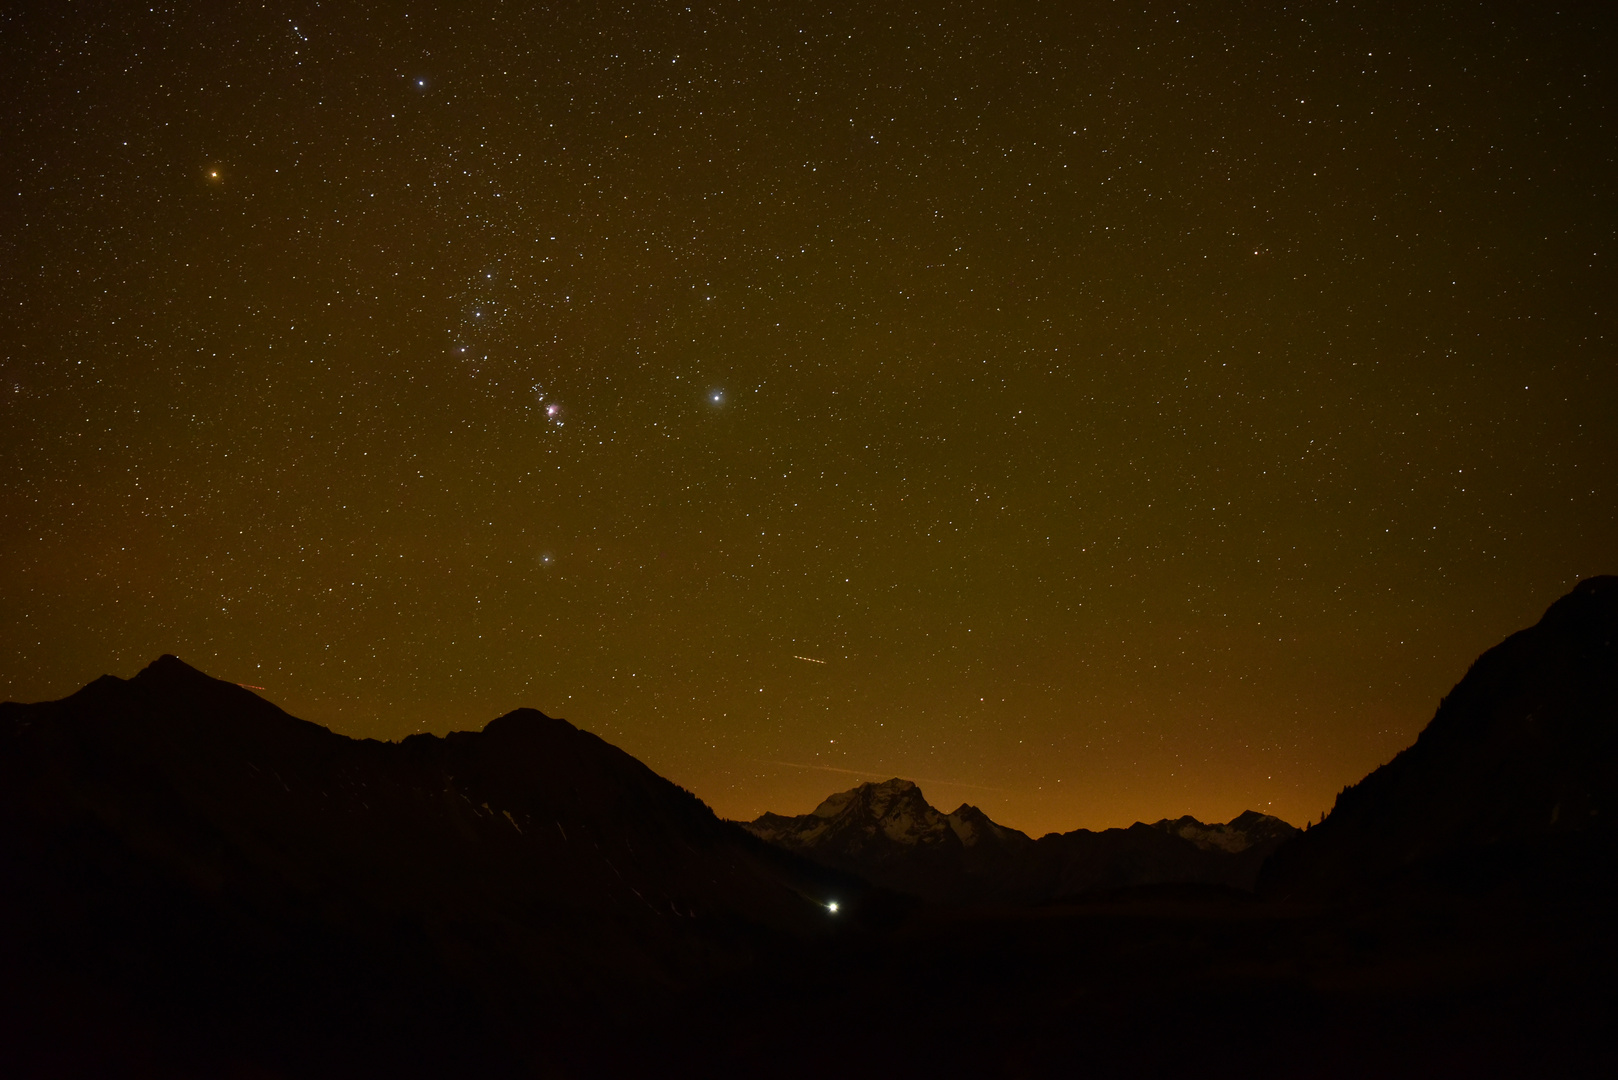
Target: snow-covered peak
x=877 y=797
x=892 y=812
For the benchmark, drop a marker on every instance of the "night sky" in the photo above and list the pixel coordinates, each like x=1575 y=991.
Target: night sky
x=1093 y=411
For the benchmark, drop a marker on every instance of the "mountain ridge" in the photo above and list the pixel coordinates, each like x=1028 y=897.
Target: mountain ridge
x=888 y=833
x=1525 y=746
x=190 y=876
x=179 y=833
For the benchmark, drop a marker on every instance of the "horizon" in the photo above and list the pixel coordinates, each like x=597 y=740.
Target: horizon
x=1110 y=411
x=870 y=776
x=876 y=778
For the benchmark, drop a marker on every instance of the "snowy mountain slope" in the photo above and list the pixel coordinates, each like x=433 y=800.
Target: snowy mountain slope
x=889 y=834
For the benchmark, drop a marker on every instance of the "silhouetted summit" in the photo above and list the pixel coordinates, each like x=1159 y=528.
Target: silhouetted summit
x=179 y=833
x=1522 y=751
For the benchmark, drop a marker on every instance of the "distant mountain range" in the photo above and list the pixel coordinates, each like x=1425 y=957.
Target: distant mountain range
x=194 y=883
x=889 y=834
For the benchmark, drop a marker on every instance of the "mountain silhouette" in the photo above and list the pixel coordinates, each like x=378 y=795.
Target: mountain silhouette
x=194 y=883
x=889 y=834
x=1521 y=759
x=180 y=834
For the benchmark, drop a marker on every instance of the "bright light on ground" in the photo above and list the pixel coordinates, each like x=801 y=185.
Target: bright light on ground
x=832 y=907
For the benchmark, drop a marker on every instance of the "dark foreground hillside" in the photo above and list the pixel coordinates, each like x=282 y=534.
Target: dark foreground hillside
x=1524 y=751
x=196 y=884
x=189 y=874
x=1160 y=985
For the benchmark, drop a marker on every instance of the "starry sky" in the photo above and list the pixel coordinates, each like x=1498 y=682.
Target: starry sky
x=1093 y=411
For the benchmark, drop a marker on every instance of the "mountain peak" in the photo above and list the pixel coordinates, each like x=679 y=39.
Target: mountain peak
x=889 y=833
x=886 y=790
x=894 y=807
x=168 y=668
x=168 y=676
x=215 y=838
x=1246 y=830
x=526 y=722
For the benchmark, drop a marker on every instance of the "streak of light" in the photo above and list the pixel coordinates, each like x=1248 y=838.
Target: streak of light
x=811 y=659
